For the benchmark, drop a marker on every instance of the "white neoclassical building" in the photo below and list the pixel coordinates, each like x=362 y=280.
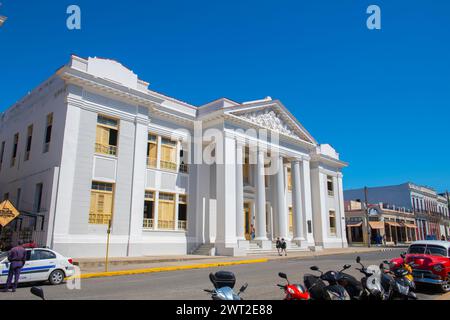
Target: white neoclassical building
x=93 y=146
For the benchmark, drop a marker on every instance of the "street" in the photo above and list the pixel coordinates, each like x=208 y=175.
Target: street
x=189 y=285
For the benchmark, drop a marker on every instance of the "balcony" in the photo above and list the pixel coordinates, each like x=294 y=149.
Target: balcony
x=182 y=225
x=184 y=168
x=166 y=225
x=148 y=224
x=106 y=149
x=167 y=165
x=151 y=162
x=99 y=218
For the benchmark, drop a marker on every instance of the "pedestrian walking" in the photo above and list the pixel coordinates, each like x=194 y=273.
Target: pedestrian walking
x=278 y=245
x=283 y=247
x=16 y=257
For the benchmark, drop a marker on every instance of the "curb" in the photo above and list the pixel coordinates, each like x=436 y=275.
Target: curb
x=166 y=269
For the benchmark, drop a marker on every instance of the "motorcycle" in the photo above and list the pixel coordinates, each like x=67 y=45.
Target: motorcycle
x=401 y=287
x=293 y=291
x=224 y=283
x=372 y=283
x=319 y=290
x=351 y=284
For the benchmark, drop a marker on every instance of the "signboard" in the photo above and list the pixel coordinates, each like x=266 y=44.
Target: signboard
x=7 y=213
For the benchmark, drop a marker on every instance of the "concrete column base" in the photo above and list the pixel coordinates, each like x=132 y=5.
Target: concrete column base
x=244 y=244
x=264 y=244
x=223 y=250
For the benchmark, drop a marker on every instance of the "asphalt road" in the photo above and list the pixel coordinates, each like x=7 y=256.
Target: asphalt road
x=189 y=285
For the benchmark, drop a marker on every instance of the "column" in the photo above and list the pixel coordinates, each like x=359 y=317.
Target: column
x=307 y=202
x=281 y=199
x=240 y=219
x=296 y=201
x=260 y=223
x=226 y=242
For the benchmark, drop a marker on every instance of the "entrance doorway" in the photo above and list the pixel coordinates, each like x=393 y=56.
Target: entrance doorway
x=248 y=220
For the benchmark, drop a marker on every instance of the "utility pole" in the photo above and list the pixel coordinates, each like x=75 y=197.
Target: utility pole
x=366 y=203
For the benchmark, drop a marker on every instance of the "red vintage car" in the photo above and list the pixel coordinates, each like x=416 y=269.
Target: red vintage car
x=430 y=261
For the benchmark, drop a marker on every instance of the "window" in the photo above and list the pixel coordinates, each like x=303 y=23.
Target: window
x=107 y=136
x=48 y=133
x=182 y=212
x=166 y=211
x=183 y=161
x=2 y=152
x=38 y=198
x=152 y=151
x=149 y=210
x=102 y=195
x=332 y=218
x=42 y=255
x=330 y=186
x=289 y=179
x=28 y=145
x=168 y=154
x=14 y=151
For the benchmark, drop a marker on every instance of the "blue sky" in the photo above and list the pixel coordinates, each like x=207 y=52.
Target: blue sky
x=381 y=98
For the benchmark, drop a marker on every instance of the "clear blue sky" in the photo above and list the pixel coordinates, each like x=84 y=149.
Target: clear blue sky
x=381 y=98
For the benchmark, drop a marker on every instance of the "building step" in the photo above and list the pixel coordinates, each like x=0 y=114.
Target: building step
x=205 y=250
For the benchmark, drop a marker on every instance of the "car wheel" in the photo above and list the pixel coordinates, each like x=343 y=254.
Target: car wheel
x=56 y=277
x=445 y=287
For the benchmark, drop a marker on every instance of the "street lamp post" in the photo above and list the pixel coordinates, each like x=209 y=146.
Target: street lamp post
x=366 y=202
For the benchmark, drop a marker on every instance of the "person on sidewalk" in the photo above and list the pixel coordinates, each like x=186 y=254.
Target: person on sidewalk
x=278 y=246
x=283 y=247
x=16 y=257
x=252 y=232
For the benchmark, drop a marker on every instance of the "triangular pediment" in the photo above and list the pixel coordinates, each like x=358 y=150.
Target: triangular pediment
x=274 y=118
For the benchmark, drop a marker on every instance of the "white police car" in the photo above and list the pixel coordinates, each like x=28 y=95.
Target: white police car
x=41 y=265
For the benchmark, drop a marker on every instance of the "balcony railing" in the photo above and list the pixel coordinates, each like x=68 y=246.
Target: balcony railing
x=166 y=225
x=148 y=224
x=182 y=225
x=99 y=218
x=184 y=168
x=106 y=149
x=168 y=165
x=151 y=162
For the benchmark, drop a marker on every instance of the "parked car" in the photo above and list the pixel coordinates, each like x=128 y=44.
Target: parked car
x=430 y=261
x=41 y=265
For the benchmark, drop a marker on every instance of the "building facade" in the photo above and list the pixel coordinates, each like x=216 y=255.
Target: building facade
x=431 y=210
x=93 y=148
x=388 y=224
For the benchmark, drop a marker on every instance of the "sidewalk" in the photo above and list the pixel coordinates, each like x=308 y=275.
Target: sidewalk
x=91 y=268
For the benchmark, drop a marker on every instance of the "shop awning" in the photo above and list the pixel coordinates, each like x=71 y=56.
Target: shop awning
x=354 y=224
x=393 y=224
x=376 y=225
x=410 y=225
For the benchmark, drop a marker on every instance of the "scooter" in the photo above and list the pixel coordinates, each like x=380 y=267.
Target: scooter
x=319 y=290
x=372 y=283
x=224 y=283
x=351 y=284
x=401 y=287
x=293 y=291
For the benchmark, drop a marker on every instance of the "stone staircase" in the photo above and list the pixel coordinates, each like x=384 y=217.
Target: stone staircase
x=255 y=249
x=205 y=250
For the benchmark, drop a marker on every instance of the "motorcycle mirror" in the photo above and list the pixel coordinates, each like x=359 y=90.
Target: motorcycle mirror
x=403 y=255
x=358 y=259
x=315 y=268
x=347 y=266
x=386 y=262
x=38 y=292
x=282 y=275
x=243 y=288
